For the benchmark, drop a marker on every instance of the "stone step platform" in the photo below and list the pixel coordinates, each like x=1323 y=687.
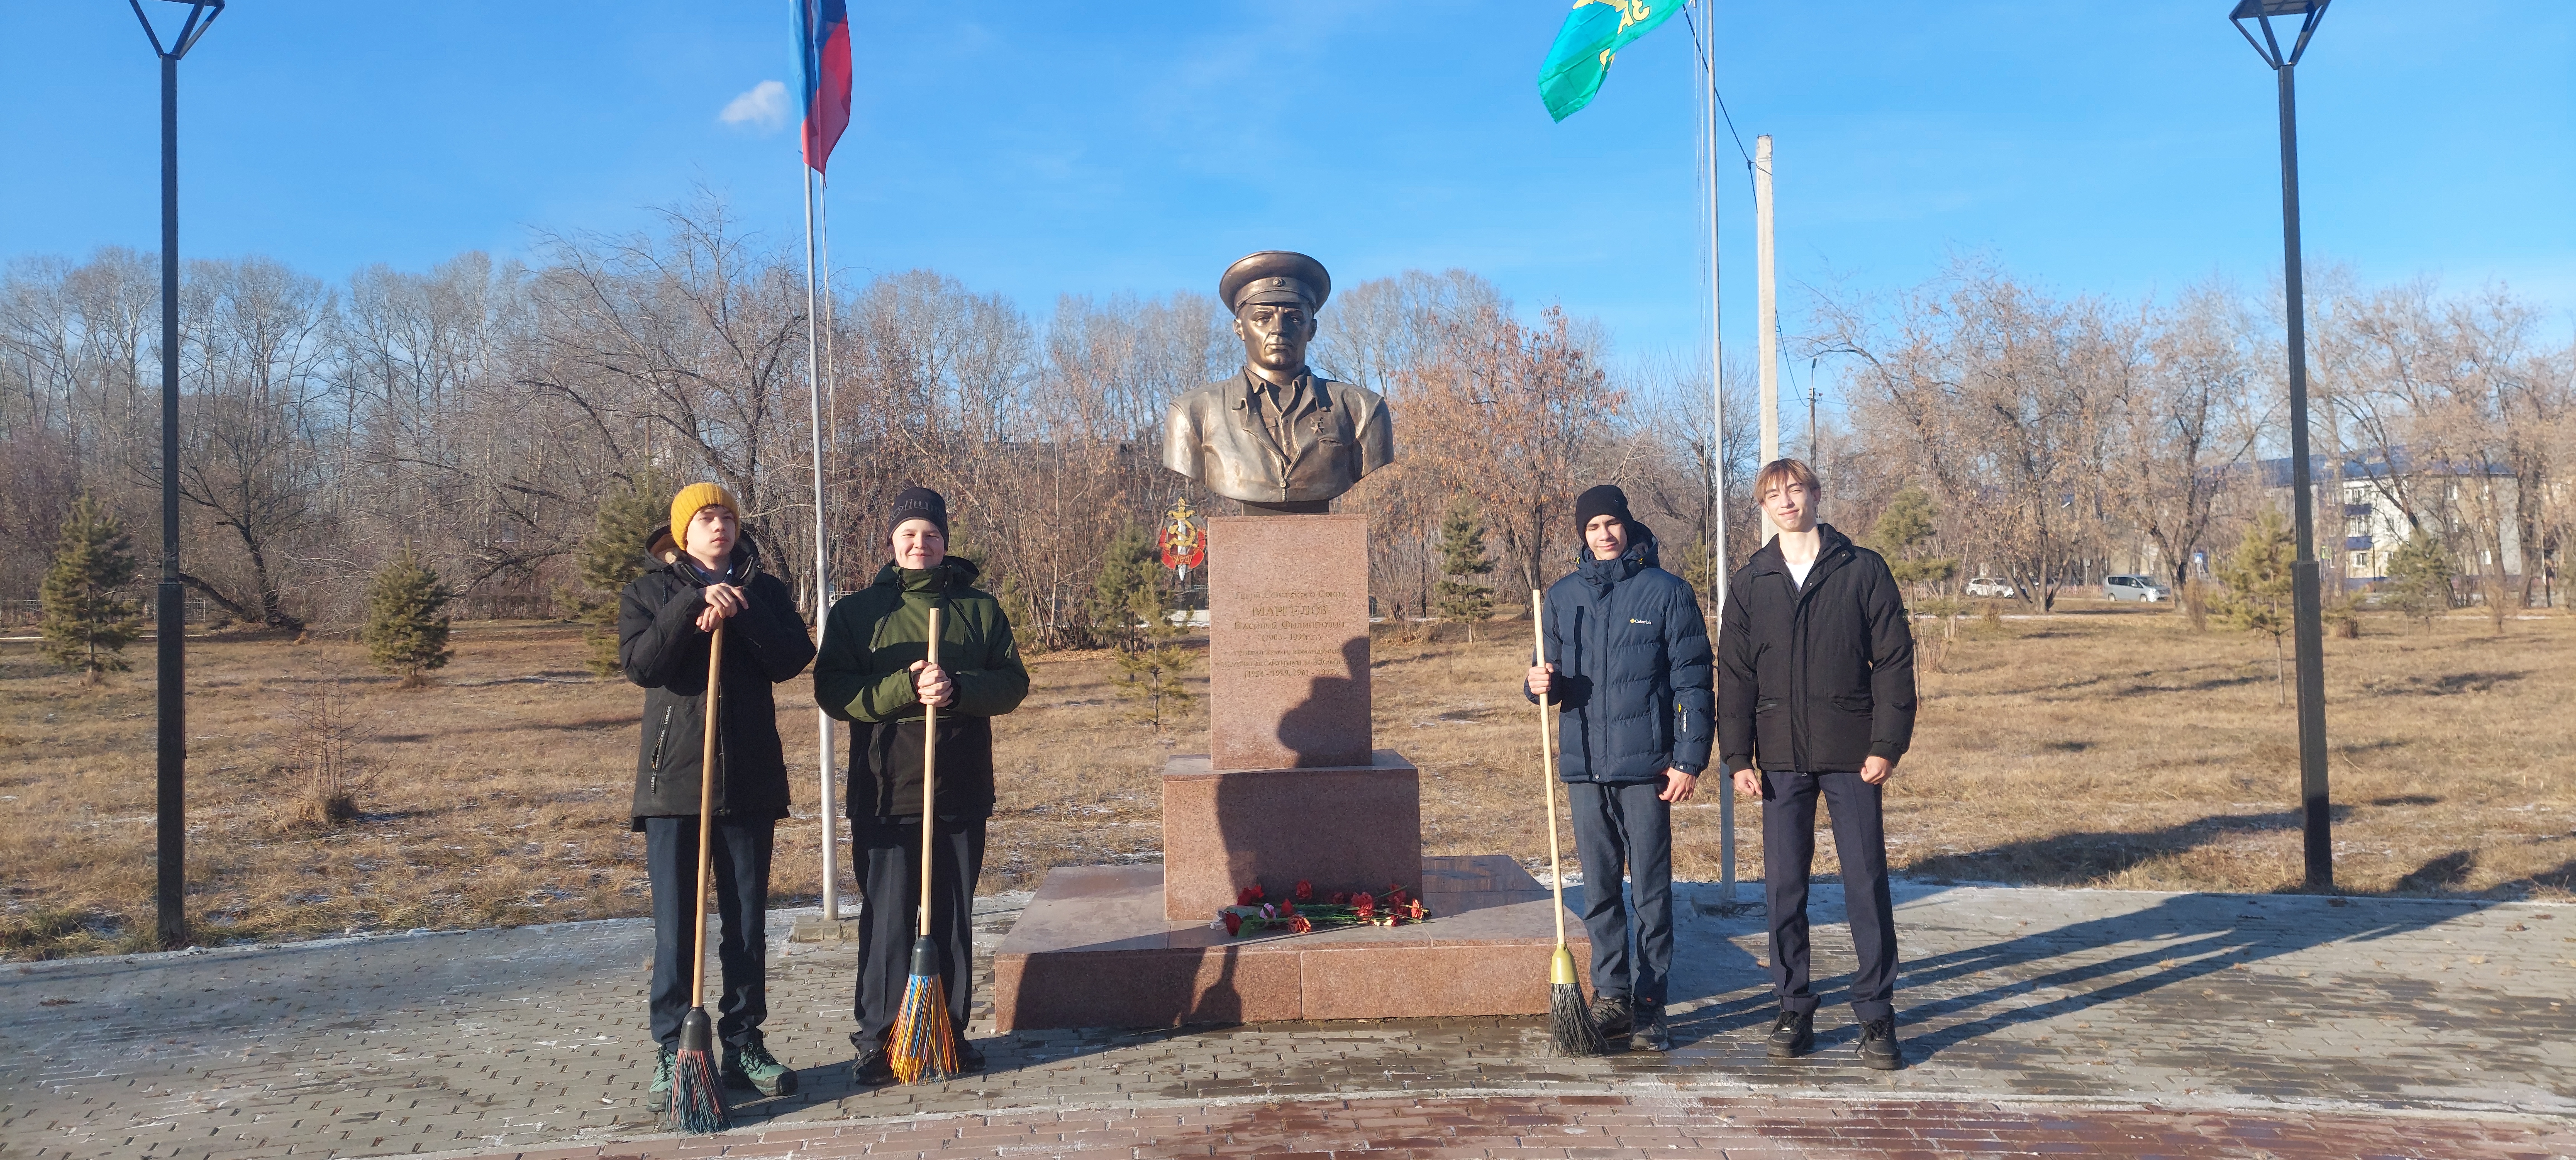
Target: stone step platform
x=1094 y=950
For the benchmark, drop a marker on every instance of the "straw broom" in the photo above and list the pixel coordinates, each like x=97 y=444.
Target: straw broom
x=697 y=1096
x=925 y=1046
x=1569 y=1021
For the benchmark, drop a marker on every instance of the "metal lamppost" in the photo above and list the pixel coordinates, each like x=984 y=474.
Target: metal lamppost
x=169 y=604
x=2306 y=632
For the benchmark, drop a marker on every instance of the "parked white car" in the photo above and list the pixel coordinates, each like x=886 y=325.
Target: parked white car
x=1989 y=586
x=2134 y=588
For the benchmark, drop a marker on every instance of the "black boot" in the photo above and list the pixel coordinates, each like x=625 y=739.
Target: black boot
x=1878 y=1047
x=1652 y=1030
x=1793 y=1034
x=871 y=1068
x=1610 y=1014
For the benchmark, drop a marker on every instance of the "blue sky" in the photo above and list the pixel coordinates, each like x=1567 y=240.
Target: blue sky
x=1045 y=149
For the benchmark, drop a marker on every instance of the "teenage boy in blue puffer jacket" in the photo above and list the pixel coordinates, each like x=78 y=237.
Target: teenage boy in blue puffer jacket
x=1628 y=663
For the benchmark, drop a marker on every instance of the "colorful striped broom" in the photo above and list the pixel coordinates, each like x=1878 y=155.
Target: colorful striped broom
x=924 y=1045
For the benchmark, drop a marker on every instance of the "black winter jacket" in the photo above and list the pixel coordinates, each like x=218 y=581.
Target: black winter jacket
x=659 y=645
x=1632 y=664
x=1815 y=678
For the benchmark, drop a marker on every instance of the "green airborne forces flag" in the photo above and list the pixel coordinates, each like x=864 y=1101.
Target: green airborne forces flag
x=1581 y=55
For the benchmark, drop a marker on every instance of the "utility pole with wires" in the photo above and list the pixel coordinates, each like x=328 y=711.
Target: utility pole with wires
x=1814 y=455
x=1767 y=311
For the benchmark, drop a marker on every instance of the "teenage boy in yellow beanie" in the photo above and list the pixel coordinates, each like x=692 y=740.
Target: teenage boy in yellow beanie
x=708 y=575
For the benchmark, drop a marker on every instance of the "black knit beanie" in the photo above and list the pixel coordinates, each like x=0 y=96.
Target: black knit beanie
x=1605 y=500
x=918 y=503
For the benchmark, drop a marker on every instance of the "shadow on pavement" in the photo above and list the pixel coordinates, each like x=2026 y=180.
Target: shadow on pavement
x=2188 y=937
x=2077 y=859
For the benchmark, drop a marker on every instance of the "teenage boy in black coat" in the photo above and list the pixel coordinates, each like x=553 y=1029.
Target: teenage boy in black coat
x=666 y=619
x=1816 y=695
x=1628 y=662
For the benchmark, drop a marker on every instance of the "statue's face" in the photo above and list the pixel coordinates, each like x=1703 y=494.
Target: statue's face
x=1275 y=335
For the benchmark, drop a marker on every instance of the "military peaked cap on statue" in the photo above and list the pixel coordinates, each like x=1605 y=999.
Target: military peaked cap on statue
x=1274 y=276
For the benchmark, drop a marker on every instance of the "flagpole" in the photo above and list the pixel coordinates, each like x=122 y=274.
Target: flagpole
x=831 y=314
x=823 y=798
x=1707 y=31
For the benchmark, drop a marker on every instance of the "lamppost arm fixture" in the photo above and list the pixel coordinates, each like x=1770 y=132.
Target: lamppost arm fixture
x=201 y=16
x=2262 y=12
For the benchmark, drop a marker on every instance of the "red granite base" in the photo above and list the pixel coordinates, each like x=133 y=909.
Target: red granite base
x=1353 y=827
x=1094 y=950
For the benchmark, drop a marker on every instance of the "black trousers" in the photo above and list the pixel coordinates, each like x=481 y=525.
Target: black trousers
x=741 y=866
x=889 y=856
x=1626 y=830
x=1789 y=852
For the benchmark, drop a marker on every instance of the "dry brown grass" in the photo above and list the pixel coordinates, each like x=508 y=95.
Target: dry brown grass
x=2111 y=746
x=2102 y=747
x=495 y=795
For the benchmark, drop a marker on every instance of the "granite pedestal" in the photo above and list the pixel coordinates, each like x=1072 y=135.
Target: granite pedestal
x=1356 y=827
x=1288 y=642
x=1292 y=789
x=1094 y=950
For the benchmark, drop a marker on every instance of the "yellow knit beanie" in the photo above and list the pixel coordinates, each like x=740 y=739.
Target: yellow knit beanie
x=685 y=505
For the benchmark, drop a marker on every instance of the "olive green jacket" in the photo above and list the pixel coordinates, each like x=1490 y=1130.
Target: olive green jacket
x=864 y=676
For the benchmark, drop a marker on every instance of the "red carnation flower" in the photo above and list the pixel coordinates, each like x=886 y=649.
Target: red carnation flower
x=1305 y=891
x=1363 y=905
x=1299 y=925
x=1416 y=912
x=1233 y=924
x=1341 y=898
x=1248 y=896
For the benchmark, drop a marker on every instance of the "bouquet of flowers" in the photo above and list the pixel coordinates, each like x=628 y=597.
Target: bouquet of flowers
x=1303 y=910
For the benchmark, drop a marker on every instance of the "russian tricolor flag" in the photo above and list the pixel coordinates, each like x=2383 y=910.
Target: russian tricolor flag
x=823 y=65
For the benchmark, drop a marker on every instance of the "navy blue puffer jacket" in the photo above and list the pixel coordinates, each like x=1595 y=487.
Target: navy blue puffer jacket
x=1632 y=663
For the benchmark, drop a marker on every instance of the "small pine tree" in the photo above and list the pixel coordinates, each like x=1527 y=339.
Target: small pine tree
x=86 y=624
x=1462 y=556
x=1901 y=535
x=2259 y=586
x=1149 y=675
x=1129 y=587
x=611 y=557
x=406 y=632
x=2419 y=578
x=1907 y=524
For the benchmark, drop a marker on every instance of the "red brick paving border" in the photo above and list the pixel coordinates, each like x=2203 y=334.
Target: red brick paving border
x=1621 y=1126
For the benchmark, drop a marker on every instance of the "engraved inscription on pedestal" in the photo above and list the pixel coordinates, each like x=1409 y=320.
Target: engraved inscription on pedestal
x=1288 y=648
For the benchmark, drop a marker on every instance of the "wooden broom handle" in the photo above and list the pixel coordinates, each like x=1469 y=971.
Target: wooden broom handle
x=929 y=775
x=1547 y=759
x=706 y=813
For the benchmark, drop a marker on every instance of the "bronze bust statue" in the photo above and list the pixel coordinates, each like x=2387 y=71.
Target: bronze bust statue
x=1276 y=436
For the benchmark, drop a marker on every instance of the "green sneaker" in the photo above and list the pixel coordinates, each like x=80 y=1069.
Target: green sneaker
x=749 y=1064
x=659 y=1098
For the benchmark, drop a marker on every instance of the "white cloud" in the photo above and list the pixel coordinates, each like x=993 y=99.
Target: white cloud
x=763 y=108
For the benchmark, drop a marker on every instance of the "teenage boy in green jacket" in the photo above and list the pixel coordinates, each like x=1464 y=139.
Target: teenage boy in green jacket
x=874 y=672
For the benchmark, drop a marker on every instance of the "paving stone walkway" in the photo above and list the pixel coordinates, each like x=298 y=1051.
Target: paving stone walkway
x=2038 y=1021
